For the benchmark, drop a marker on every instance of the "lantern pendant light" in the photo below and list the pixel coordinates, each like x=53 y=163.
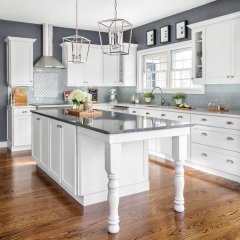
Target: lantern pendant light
x=115 y=28
x=79 y=52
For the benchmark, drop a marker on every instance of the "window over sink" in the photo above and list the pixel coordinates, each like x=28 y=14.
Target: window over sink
x=168 y=67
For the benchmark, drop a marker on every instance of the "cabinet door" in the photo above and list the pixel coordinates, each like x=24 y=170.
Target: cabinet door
x=218 y=52
x=110 y=70
x=69 y=167
x=55 y=140
x=36 y=137
x=74 y=74
x=235 y=73
x=44 y=160
x=20 y=64
x=93 y=68
x=22 y=131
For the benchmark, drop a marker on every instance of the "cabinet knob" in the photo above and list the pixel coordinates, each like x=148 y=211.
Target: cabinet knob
x=204 y=134
x=229 y=123
x=229 y=138
x=232 y=76
x=204 y=154
x=163 y=115
x=228 y=76
x=204 y=120
x=147 y=113
x=59 y=126
x=38 y=119
x=180 y=117
x=134 y=111
x=229 y=161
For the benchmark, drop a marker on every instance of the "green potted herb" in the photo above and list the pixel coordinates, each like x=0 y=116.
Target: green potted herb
x=178 y=98
x=148 y=96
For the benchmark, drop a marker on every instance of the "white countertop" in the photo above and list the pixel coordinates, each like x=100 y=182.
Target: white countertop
x=230 y=113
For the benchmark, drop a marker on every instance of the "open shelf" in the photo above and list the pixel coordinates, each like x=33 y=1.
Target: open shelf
x=199 y=66
x=199 y=41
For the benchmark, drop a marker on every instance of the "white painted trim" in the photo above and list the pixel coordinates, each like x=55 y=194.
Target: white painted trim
x=215 y=20
x=17 y=149
x=17 y=39
x=3 y=144
x=167 y=48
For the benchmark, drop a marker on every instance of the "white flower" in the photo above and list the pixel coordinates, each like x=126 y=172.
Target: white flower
x=79 y=96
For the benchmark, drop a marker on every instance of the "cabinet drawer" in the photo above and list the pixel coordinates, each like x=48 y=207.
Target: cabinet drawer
x=224 y=122
x=229 y=140
x=148 y=113
x=135 y=111
x=215 y=158
x=22 y=112
x=177 y=116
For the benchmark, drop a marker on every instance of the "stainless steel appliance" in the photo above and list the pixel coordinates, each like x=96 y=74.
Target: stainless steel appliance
x=112 y=95
x=118 y=108
x=52 y=105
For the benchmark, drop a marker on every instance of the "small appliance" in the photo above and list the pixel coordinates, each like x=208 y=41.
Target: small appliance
x=113 y=96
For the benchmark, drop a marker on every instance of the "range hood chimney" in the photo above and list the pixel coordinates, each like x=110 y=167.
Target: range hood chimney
x=47 y=60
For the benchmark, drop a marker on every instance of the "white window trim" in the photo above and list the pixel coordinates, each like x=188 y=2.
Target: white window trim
x=168 y=48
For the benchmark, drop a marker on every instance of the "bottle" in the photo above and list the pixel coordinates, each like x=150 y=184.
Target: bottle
x=133 y=99
x=136 y=100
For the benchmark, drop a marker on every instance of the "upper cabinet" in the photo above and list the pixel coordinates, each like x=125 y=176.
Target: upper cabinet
x=19 y=61
x=219 y=42
x=101 y=69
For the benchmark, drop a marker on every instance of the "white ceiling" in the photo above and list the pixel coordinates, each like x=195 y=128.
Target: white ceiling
x=62 y=12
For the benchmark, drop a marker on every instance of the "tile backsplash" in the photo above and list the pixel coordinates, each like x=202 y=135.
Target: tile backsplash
x=227 y=94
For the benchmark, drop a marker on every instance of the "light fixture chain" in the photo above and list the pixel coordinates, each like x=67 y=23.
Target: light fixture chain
x=76 y=17
x=115 y=12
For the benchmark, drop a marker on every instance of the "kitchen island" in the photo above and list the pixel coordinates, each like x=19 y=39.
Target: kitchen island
x=82 y=154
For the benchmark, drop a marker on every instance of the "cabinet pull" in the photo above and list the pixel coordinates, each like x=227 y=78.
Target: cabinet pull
x=180 y=117
x=59 y=126
x=204 y=134
x=229 y=123
x=204 y=120
x=229 y=161
x=204 y=154
x=38 y=119
x=229 y=138
x=232 y=76
x=24 y=111
x=134 y=111
x=163 y=115
x=228 y=76
x=147 y=113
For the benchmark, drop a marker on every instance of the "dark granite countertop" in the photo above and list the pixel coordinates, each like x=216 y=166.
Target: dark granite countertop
x=112 y=122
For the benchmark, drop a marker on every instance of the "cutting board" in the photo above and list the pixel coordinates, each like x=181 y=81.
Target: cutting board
x=84 y=113
x=19 y=92
x=185 y=108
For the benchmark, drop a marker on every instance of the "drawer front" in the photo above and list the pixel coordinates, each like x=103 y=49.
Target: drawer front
x=148 y=112
x=215 y=158
x=22 y=112
x=176 y=116
x=222 y=140
x=224 y=122
x=135 y=111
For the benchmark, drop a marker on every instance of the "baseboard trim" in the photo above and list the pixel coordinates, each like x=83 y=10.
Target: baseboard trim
x=3 y=144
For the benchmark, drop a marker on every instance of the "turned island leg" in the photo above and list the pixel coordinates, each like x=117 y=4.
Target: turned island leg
x=179 y=154
x=112 y=167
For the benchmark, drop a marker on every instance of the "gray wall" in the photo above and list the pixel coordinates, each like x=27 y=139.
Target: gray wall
x=25 y=30
x=205 y=12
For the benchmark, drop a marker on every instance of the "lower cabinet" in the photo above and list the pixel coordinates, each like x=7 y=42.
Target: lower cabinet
x=54 y=150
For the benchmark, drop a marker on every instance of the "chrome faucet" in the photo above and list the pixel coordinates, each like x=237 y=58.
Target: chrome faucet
x=162 y=98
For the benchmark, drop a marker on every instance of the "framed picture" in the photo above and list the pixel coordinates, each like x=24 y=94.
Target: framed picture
x=94 y=92
x=165 y=34
x=151 y=37
x=66 y=94
x=181 y=30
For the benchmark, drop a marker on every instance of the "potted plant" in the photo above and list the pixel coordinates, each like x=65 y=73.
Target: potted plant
x=178 y=98
x=148 y=96
x=79 y=98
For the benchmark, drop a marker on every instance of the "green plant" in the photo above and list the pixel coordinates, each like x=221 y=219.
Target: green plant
x=178 y=96
x=148 y=95
x=199 y=54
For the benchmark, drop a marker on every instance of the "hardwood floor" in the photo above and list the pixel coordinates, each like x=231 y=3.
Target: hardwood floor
x=33 y=206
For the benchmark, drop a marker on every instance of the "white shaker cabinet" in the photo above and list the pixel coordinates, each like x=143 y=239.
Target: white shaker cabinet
x=62 y=154
x=19 y=128
x=19 y=61
x=110 y=70
x=218 y=52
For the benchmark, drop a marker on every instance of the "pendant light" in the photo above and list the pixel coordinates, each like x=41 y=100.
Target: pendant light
x=79 y=52
x=115 y=28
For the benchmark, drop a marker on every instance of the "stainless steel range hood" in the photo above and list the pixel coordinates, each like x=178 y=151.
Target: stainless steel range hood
x=47 y=60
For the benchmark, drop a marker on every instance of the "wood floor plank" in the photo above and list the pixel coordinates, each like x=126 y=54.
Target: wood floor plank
x=33 y=206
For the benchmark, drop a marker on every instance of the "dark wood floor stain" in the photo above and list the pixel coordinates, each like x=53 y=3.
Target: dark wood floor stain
x=33 y=206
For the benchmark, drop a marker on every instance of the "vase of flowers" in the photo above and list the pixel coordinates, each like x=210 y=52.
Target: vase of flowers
x=79 y=98
x=178 y=98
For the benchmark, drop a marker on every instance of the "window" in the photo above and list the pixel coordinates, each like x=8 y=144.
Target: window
x=155 y=71
x=181 y=70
